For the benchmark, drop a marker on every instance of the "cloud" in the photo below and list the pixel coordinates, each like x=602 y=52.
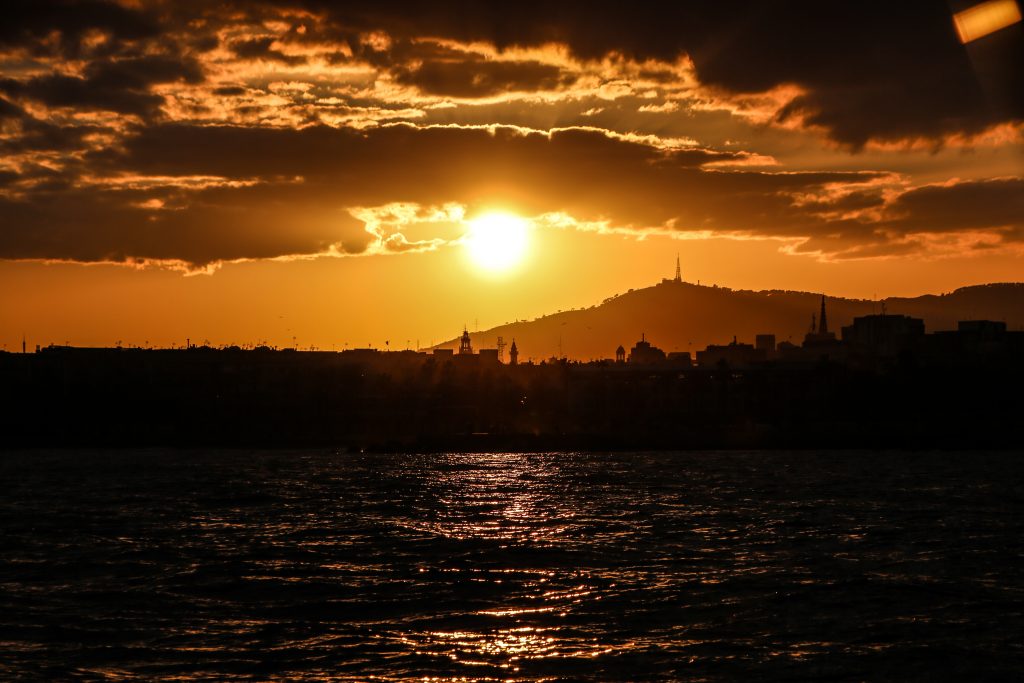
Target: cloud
x=261 y=48
x=468 y=78
x=155 y=132
x=994 y=203
x=69 y=27
x=90 y=225
x=868 y=70
x=292 y=191
x=120 y=86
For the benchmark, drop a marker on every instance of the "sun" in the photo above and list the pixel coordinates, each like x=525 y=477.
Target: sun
x=496 y=242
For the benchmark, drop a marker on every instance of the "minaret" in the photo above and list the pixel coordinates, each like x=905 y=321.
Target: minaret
x=513 y=354
x=679 y=271
x=822 y=320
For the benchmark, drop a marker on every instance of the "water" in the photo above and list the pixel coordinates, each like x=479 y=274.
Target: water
x=698 y=566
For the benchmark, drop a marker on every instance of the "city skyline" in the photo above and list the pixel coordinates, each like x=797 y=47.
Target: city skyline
x=277 y=171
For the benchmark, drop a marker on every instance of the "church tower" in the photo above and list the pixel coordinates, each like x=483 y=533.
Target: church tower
x=465 y=348
x=679 y=271
x=513 y=354
x=822 y=320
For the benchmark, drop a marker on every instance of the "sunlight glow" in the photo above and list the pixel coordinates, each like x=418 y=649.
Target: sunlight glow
x=497 y=241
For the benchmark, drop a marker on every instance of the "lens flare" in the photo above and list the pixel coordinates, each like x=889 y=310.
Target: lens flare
x=988 y=17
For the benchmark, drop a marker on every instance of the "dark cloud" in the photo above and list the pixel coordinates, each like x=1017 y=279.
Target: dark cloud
x=29 y=24
x=981 y=204
x=69 y=91
x=873 y=69
x=230 y=91
x=116 y=85
x=260 y=48
x=869 y=70
x=91 y=224
x=481 y=78
x=35 y=135
x=308 y=178
x=141 y=72
x=9 y=110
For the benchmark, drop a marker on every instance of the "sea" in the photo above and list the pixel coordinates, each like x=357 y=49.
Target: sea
x=218 y=565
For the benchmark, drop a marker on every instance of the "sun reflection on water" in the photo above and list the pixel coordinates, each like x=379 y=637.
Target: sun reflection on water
x=523 y=503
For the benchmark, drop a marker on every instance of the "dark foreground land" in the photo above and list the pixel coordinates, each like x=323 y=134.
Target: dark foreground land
x=313 y=565
x=408 y=401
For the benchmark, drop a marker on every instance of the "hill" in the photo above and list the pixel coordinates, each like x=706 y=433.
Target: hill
x=681 y=316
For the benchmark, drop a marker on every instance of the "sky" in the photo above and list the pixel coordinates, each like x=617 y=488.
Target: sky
x=344 y=174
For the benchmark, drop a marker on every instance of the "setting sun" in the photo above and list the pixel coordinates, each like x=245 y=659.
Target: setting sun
x=497 y=241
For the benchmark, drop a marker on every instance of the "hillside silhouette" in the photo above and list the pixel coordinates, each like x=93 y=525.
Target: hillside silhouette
x=682 y=316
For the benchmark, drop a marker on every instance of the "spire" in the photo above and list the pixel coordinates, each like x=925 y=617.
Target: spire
x=679 y=272
x=465 y=348
x=513 y=353
x=822 y=320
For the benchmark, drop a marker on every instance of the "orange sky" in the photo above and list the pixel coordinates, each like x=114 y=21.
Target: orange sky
x=275 y=170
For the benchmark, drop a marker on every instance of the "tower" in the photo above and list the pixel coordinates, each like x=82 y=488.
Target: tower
x=620 y=354
x=679 y=271
x=501 y=349
x=513 y=354
x=465 y=348
x=822 y=320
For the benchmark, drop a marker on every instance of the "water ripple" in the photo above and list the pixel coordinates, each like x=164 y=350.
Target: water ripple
x=487 y=567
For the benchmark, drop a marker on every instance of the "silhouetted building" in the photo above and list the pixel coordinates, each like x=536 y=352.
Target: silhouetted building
x=982 y=329
x=681 y=358
x=644 y=353
x=974 y=341
x=765 y=342
x=620 y=354
x=488 y=356
x=735 y=354
x=465 y=348
x=443 y=353
x=884 y=334
x=513 y=354
x=820 y=336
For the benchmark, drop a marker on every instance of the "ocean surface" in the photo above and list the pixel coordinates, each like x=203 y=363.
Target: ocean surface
x=240 y=565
